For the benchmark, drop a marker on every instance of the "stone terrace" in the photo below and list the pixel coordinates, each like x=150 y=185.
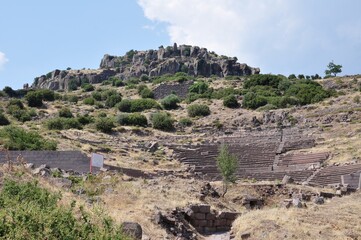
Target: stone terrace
x=260 y=155
x=332 y=175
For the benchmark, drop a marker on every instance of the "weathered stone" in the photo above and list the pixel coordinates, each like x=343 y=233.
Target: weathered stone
x=319 y=200
x=287 y=179
x=296 y=202
x=170 y=60
x=327 y=194
x=62 y=182
x=210 y=216
x=204 y=208
x=245 y=235
x=200 y=216
x=132 y=229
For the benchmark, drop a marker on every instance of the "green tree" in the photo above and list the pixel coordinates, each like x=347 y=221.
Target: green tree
x=227 y=165
x=333 y=69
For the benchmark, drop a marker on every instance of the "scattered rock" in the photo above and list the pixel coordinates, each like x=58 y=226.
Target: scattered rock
x=62 y=182
x=296 y=202
x=287 y=179
x=132 y=229
x=245 y=235
x=319 y=200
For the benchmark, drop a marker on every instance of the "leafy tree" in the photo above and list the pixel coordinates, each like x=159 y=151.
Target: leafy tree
x=227 y=165
x=9 y=91
x=333 y=69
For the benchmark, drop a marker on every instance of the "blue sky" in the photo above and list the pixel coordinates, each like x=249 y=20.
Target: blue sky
x=279 y=36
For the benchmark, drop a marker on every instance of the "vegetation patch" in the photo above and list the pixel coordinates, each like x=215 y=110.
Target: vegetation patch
x=30 y=212
x=132 y=119
x=198 y=110
x=15 y=138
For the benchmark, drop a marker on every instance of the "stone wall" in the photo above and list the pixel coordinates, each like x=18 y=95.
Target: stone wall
x=206 y=221
x=179 y=89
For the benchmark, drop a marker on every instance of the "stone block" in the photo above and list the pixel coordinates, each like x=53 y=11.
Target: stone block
x=200 y=216
x=220 y=222
x=231 y=215
x=229 y=222
x=210 y=223
x=200 y=223
x=194 y=208
x=189 y=212
x=204 y=208
x=210 y=230
x=223 y=229
x=210 y=216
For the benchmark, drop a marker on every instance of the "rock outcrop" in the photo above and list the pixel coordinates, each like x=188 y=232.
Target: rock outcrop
x=193 y=60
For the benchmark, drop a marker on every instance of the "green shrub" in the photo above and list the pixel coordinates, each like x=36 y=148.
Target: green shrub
x=307 y=91
x=71 y=98
x=198 y=87
x=185 y=122
x=113 y=100
x=61 y=123
x=124 y=105
x=87 y=87
x=4 y=120
x=292 y=76
x=263 y=80
x=144 y=77
x=118 y=83
x=65 y=113
x=16 y=102
x=200 y=110
x=72 y=85
x=85 y=119
x=34 y=99
x=89 y=101
x=170 y=102
x=230 y=101
x=10 y=92
x=147 y=93
x=162 y=121
x=30 y=212
x=253 y=100
x=15 y=138
x=16 y=109
x=104 y=124
x=46 y=94
x=132 y=119
x=137 y=105
x=97 y=95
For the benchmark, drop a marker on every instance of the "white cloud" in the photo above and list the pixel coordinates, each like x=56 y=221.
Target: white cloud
x=3 y=60
x=230 y=27
x=276 y=35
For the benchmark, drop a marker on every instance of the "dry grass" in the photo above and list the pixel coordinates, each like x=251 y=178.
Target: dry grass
x=337 y=219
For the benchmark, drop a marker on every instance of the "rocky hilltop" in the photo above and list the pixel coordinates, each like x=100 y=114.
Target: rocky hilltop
x=193 y=60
